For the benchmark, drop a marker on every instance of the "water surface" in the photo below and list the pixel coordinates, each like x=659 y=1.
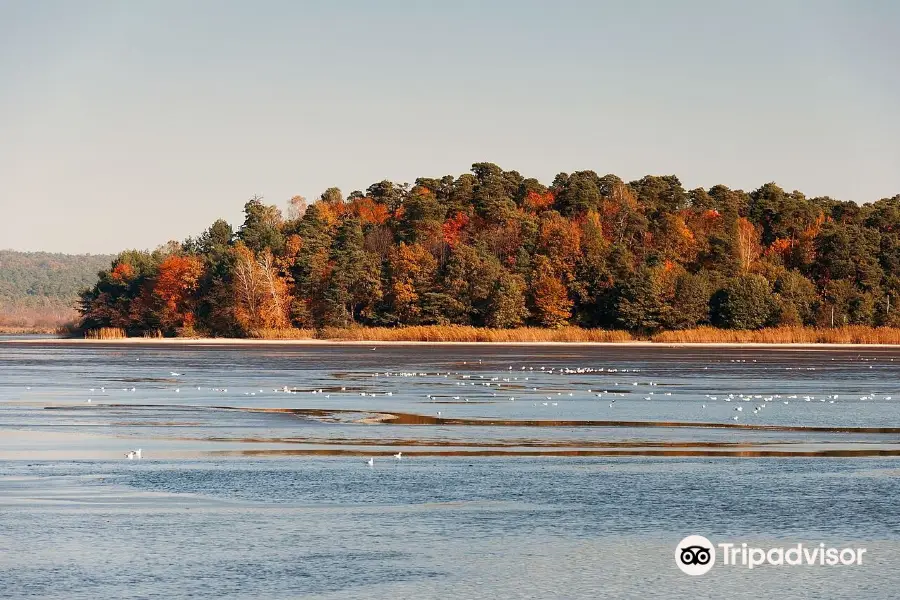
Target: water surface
x=517 y=480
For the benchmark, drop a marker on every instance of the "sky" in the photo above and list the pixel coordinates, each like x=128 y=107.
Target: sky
x=128 y=124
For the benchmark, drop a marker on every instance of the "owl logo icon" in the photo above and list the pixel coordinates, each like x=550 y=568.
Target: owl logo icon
x=695 y=555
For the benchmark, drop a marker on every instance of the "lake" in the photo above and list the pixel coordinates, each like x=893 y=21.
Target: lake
x=525 y=471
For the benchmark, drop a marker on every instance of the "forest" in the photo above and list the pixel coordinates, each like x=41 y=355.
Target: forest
x=40 y=289
x=492 y=248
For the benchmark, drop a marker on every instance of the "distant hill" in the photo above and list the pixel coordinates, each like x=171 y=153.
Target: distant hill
x=41 y=288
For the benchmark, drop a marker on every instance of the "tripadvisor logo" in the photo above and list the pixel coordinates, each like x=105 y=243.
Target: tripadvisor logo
x=695 y=555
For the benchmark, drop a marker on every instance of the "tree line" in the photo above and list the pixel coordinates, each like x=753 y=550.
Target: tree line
x=493 y=248
x=41 y=288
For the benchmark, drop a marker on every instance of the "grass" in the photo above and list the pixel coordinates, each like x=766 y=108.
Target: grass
x=854 y=334
x=460 y=333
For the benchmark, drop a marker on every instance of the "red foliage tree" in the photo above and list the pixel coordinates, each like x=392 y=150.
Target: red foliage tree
x=452 y=228
x=175 y=286
x=536 y=202
x=369 y=212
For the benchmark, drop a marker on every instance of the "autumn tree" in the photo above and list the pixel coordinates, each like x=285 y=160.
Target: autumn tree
x=748 y=245
x=412 y=270
x=175 y=287
x=261 y=296
x=551 y=306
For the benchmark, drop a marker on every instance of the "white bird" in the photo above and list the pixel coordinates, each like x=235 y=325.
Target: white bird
x=89 y=400
x=371 y=462
x=130 y=455
x=174 y=374
x=137 y=453
x=398 y=456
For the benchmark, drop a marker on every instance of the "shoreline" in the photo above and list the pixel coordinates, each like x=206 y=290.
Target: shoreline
x=225 y=342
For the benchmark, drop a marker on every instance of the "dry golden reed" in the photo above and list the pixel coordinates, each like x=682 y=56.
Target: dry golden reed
x=284 y=333
x=461 y=333
x=105 y=333
x=852 y=334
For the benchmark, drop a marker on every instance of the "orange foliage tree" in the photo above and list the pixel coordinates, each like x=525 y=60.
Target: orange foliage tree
x=122 y=272
x=452 y=228
x=175 y=287
x=537 y=202
x=552 y=306
x=368 y=211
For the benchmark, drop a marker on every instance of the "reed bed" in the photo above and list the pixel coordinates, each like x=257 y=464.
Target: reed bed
x=853 y=334
x=105 y=333
x=460 y=333
x=284 y=333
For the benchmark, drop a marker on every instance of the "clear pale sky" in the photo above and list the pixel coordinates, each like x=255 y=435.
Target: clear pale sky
x=130 y=123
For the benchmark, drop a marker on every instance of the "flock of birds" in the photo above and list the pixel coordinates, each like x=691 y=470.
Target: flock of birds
x=521 y=381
